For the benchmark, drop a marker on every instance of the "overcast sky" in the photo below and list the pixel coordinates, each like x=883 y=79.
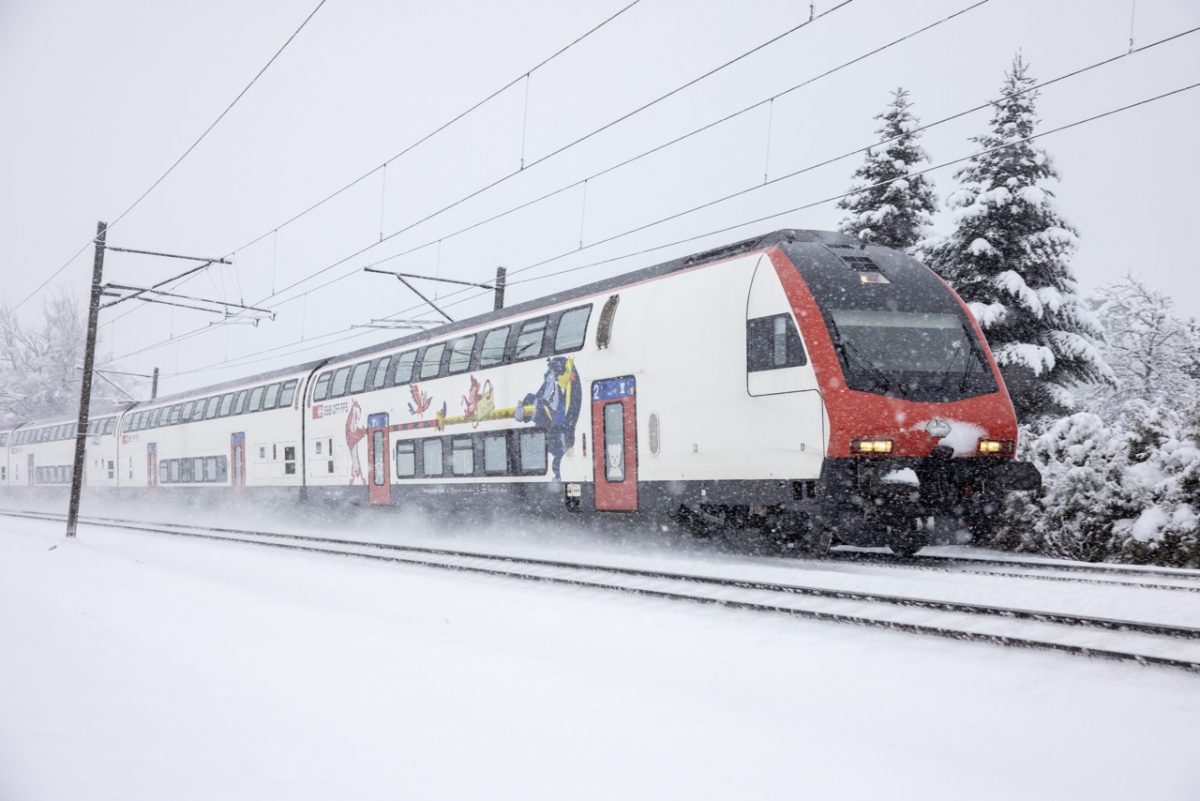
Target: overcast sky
x=98 y=99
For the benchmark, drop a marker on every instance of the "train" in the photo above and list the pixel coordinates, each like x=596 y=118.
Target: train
x=805 y=386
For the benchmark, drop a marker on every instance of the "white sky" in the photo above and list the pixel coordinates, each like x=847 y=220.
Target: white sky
x=97 y=100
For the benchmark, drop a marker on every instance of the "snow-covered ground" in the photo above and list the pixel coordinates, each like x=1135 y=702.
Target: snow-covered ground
x=135 y=666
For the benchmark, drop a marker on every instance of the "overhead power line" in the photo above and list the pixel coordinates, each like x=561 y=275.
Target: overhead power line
x=179 y=160
x=509 y=176
x=422 y=140
x=857 y=151
x=403 y=152
x=713 y=232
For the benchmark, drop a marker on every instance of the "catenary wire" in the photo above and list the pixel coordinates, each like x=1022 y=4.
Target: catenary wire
x=425 y=138
x=179 y=160
x=727 y=229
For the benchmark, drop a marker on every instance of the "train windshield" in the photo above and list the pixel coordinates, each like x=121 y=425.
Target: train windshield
x=923 y=355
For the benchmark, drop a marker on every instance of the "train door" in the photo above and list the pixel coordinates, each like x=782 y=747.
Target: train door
x=237 y=463
x=151 y=466
x=614 y=444
x=379 y=482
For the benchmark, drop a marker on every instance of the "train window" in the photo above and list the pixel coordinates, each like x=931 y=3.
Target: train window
x=164 y=473
x=173 y=415
x=321 y=389
x=572 y=329
x=211 y=406
x=378 y=459
x=271 y=398
x=287 y=394
x=340 y=378
x=404 y=367
x=462 y=456
x=614 y=442
x=431 y=361
x=495 y=454
x=198 y=468
x=380 y=372
x=112 y=469
x=226 y=404
x=210 y=468
x=604 y=328
x=185 y=412
x=185 y=470
x=529 y=341
x=492 y=352
x=431 y=457
x=256 y=396
x=239 y=405
x=773 y=343
x=406 y=459
x=289 y=459
x=110 y=425
x=358 y=377
x=533 y=452
x=460 y=354
x=174 y=470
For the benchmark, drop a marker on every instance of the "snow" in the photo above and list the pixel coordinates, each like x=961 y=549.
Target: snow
x=1037 y=358
x=1149 y=523
x=904 y=476
x=988 y=314
x=981 y=247
x=140 y=667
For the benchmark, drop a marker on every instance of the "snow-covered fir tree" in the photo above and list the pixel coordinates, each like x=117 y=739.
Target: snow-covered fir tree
x=889 y=205
x=1009 y=257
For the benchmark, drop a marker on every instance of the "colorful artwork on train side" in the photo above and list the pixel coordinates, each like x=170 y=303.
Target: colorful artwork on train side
x=555 y=408
x=355 y=433
x=420 y=401
x=479 y=402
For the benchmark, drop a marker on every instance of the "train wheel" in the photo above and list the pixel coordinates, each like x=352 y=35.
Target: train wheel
x=806 y=536
x=906 y=547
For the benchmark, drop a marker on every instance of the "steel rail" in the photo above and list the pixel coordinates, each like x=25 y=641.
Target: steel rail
x=310 y=545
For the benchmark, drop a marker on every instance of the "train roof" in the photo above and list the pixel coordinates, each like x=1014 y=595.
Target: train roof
x=784 y=236
x=780 y=237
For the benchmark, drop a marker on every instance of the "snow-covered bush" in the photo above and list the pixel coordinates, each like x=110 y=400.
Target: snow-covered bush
x=1122 y=491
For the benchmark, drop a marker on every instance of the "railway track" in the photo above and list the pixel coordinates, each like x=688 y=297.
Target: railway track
x=1145 y=643
x=1181 y=580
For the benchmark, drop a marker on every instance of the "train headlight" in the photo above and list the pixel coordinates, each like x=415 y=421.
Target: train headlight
x=996 y=446
x=871 y=446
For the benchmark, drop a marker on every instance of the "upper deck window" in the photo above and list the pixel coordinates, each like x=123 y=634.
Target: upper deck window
x=530 y=339
x=492 y=352
x=572 y=329
x=431 y=362
x=460 y=354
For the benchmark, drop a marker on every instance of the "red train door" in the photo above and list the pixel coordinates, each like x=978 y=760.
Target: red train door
x=614 y=444
x=237 y=463
x=379 y=479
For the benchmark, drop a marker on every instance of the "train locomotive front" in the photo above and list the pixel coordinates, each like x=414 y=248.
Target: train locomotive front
x=921 y=427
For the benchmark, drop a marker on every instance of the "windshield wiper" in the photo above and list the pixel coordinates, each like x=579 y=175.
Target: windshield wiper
x=846 y=347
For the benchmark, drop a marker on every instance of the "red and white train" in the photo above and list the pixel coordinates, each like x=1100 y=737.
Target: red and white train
x=801 y=383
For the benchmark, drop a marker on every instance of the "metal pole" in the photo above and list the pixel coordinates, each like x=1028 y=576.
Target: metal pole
x=85 y=392
x=154 y=385
x=500 y=274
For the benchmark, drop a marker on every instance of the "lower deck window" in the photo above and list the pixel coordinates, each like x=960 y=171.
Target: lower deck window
x=533 y=452
x=198 y=470
x=406 y=459
x=462 y=456
x=431 y=457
